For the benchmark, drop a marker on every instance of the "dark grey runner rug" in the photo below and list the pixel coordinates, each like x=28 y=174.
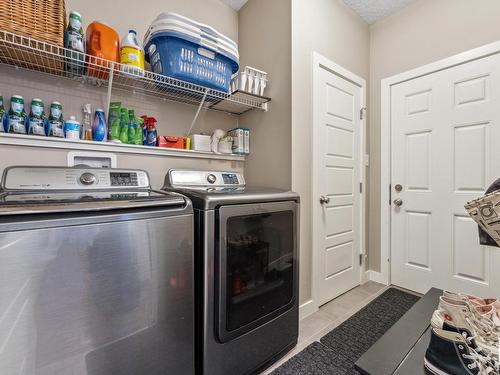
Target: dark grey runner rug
x=337 y=351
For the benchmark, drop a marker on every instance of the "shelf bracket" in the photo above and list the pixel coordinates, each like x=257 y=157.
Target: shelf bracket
x=197 y=114
x=110 y=86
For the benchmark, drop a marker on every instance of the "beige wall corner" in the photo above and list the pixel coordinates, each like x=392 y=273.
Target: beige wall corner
x=332 y=29
x=265 y=44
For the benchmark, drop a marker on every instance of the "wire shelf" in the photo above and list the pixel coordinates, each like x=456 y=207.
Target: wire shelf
x=35 y=55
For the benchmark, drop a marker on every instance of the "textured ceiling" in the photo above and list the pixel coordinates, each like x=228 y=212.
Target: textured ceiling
x=235 y=4
x=373 y=10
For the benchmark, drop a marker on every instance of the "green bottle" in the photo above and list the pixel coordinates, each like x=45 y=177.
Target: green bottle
x=114 y=121
x=124 y=124
x=131 y=127
x=138 y=131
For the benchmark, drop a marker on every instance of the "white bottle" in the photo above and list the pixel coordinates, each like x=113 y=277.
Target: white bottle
x=131 y=55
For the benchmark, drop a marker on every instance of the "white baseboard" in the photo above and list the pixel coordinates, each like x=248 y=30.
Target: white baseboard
x=306 y=309
x=376 y=276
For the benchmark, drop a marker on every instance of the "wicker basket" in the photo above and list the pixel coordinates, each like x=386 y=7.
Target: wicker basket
x=38 y=19
x=41 y=20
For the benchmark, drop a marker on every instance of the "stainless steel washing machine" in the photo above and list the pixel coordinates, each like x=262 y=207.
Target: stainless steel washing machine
x=246 y=262
x=96 y=274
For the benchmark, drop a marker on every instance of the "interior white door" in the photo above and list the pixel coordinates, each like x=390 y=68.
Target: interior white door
x=445 y=152
x=337 y=197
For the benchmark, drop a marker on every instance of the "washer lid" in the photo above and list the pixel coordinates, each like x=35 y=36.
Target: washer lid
x=51 y=202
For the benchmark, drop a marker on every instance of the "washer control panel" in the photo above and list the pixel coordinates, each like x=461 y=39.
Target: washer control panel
x=57 y=178
x=184 y=178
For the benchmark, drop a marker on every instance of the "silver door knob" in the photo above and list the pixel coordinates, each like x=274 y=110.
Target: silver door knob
x=324 y=200
x=398 y=202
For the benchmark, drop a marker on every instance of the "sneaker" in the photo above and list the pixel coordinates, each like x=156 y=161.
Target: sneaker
x=470 y=339
x=449 y=354
x=473 y=299
x=473 y=319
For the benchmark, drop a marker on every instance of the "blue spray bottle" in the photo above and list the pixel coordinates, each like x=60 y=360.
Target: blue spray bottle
x=152 y=137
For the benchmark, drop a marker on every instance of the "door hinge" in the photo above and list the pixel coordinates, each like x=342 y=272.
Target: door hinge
x=362 y=112
x=361 y=259
x=360 y=188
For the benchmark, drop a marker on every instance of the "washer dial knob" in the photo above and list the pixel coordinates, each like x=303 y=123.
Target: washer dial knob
x=87 y=178
x=211 y=178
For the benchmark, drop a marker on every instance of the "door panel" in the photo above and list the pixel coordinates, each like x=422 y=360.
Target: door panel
x=337 y=158
x=444 y=153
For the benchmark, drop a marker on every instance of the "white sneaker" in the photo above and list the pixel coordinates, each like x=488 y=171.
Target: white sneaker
x=473 y=299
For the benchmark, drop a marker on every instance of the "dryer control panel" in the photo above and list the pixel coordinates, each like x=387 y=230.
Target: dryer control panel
x=61 y=178
x=199 y=179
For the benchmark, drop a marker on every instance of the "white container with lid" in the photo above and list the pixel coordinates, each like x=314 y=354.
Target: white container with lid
x=72 y=128
x=200 y=142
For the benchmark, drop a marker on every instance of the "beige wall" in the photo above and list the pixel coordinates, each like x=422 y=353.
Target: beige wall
x=173 y=118
x=335 y=31
x=422 y=33
x=265 y=44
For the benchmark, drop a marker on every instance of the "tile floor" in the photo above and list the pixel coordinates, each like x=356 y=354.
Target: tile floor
x=331 y=315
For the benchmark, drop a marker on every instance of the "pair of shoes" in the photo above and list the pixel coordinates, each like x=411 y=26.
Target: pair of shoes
x=465 y=336
x=449 y=354
x=479 y=324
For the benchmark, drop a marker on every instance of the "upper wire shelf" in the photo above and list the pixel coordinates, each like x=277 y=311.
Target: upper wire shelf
x=35 y=55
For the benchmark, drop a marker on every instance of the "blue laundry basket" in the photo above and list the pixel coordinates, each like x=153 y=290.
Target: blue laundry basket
x=178 y=56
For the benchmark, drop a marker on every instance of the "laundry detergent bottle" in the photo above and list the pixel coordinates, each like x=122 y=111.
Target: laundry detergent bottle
x=131 y=55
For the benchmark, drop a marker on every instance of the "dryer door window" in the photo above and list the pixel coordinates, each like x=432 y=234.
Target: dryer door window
x=257 y=265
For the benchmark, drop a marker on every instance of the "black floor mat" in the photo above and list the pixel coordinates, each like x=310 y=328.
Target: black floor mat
x=339 y=349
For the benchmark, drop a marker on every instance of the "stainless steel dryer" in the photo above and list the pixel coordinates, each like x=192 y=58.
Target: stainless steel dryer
x=96 y=274
x=246 y=262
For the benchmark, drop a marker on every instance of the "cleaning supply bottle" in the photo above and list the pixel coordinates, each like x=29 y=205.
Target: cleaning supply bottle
x=132 y=126
x=152 y=136
x=131 y=55
x=56 y=122
x=17 y=115
x=144 y=129
x=2 y=115
x=74 y=44
x=87 y=127
x=72 y=128
x=138 y=132
x=99 y=128
x=36 y=123
x=114 y=117
x=124 y=124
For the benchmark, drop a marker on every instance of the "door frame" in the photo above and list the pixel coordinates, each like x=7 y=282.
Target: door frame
x=321 y=62
x=386 y=143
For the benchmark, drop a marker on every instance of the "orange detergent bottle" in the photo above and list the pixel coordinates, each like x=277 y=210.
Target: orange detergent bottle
x=102 y=45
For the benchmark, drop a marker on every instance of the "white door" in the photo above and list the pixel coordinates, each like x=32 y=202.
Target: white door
x=445 y=152
x=337 y=177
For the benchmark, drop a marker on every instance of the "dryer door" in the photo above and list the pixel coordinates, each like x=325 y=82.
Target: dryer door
x=257 y=265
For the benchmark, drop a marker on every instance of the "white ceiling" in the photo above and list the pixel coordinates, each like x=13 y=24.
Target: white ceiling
x=373 y=10
x=235 y=4
x=370 y=10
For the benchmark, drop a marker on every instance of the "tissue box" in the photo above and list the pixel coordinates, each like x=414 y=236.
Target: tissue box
x=200 y=142
x=171 y=141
